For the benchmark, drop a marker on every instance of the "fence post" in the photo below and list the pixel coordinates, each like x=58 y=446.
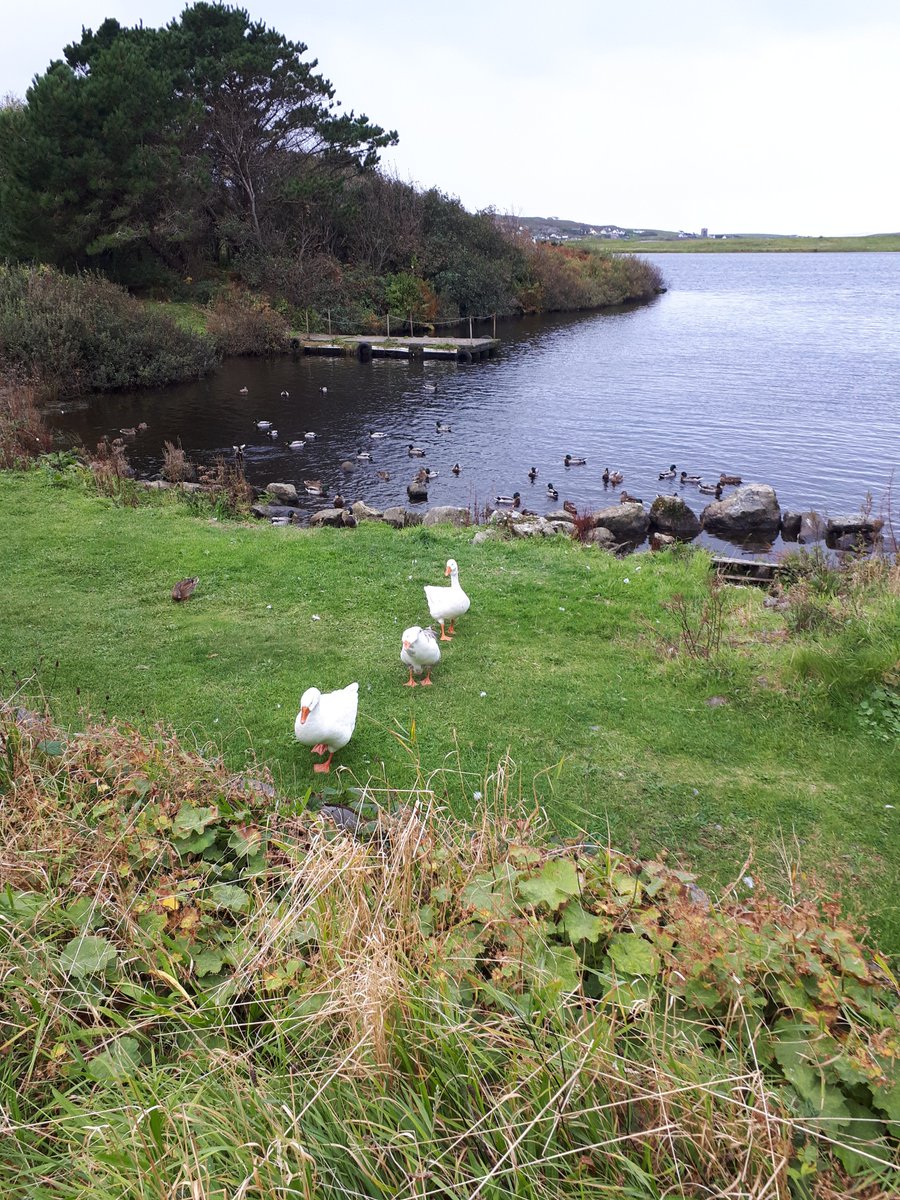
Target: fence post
x=328 y=310
x=495 y=327
x=470 y=329
x=410 y=325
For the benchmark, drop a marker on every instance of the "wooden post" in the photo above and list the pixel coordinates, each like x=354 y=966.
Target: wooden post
x=389 y=324
x=410 y=325
x=307 y=322
x=470 y=329
x=495 y=327
x=328 y=310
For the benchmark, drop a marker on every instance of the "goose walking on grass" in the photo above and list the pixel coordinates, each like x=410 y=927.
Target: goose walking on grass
x=447 y=603
x=420 y=651
x=326 y=721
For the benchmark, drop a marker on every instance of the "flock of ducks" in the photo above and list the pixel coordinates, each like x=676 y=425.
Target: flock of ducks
x=326 y=720
x=610 y=478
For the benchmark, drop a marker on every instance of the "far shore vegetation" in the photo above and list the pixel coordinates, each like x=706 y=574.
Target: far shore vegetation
x=214 y=172
x=745 y=245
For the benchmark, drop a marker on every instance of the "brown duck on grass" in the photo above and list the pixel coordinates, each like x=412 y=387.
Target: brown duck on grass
x=184 y=589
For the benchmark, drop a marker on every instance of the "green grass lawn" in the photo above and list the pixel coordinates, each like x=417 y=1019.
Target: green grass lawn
x=561 y=662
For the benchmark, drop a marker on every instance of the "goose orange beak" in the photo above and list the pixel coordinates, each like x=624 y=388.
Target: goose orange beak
x=406 y=645
x=304 y=713
x=446 y=570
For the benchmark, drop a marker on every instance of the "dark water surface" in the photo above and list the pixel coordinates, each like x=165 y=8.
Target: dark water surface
x=782 y=368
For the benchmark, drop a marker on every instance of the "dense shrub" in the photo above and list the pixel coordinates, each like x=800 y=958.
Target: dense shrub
x=81 y=333
x=240 y=323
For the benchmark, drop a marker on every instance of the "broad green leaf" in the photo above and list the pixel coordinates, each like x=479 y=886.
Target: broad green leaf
x=208 y=962
x=192 y=820
x=228 y=895
x=87 y=956
x=441 y=894
x=583 y=926
x=558 y=967
x=633 y=955
x=196 y=843
x=121 y=1061
x=245 y=841
x=52 y=748
x=553 y=885
x=490 y=894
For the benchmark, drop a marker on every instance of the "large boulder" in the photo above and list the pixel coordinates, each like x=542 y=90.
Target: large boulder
x=400 y=518
x=626 y=522
x=363 y=512
x=843 y=532
x=670 y=514
x=602 y=538
x=560 y=514
x=330 y=516
x=446 y=514
x=749 y=514
x=417 y=492
x=271 y=512
x=283 y=493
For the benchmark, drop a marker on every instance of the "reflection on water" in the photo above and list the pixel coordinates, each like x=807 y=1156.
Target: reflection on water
x=782 y=368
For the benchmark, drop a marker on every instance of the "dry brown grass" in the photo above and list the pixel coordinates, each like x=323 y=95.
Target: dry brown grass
x=24 y=434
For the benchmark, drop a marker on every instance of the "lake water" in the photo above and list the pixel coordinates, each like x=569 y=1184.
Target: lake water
x=781 y=368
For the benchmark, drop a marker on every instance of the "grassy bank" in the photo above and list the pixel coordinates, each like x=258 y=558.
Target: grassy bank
x=569 y=659
x=206 y=990
x=773 y=245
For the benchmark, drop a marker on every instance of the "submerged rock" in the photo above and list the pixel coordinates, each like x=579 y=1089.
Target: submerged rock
x=790 y=526
x=752 y=512
x=842 y=533
x=812 y=527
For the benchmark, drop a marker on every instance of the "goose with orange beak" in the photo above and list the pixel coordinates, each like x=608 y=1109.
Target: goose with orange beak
x=326 y=721
x=420 y=652
x=447 y=603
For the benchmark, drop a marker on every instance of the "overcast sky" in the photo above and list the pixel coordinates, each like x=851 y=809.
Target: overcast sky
x=770 y=116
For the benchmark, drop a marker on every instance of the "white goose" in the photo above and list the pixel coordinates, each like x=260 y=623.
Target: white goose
x=420 y=651
x=326 y=721
x=447 y=603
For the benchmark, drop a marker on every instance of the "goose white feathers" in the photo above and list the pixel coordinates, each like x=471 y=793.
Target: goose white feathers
x=326 y=721
x=419 y=651
x=447 y=603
